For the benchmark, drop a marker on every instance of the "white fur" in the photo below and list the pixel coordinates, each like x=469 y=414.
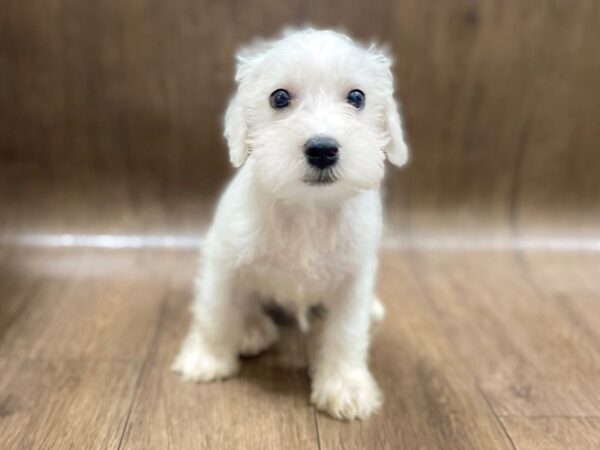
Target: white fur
x=275 y=236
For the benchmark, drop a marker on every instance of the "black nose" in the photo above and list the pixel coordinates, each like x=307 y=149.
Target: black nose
x=321 y=151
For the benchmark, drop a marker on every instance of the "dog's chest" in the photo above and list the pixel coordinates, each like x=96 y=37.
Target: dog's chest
x=299 y=259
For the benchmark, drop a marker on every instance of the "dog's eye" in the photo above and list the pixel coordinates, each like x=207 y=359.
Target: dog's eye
x=356 y=98
x=280 y=98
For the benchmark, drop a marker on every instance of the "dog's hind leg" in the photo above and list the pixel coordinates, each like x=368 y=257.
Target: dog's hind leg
x=259 y=331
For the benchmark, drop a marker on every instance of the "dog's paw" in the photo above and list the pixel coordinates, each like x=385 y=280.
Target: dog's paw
x=259 y=334
x=377 y=310
x=195 y=363
x=347 y=396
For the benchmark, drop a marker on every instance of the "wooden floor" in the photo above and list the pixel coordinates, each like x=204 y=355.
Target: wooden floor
x=481 y=349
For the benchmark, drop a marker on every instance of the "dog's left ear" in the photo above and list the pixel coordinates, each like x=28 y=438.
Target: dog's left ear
x=236 y=132
x=396 y=149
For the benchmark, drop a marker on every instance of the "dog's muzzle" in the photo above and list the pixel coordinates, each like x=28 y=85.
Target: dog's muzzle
x=321 y=151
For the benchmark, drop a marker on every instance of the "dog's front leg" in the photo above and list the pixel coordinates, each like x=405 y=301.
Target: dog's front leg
x=210 y=350
x=341 y=382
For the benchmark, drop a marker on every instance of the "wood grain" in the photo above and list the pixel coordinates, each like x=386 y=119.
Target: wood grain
x=554 y=433
x=569 y=282
x=73 y=312
x=64 y=404
x=474 y=353
x=121 y=102
x=529 y=358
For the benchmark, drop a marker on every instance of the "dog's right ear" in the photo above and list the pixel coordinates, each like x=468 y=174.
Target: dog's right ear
x=236 y=132
x=236 y=124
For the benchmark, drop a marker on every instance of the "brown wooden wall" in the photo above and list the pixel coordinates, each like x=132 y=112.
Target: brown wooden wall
x=110 y=111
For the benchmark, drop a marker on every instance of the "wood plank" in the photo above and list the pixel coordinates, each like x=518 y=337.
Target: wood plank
x=571 y=281
x=86 y=305
x=17 y=288
x=265 y=406
x=554 y=433
x=48 y=404
x=529 y=359
x=431 y=398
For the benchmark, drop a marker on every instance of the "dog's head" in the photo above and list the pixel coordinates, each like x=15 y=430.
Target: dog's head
x=315 y=114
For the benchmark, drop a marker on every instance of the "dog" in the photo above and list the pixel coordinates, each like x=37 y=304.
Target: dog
x=309 y=128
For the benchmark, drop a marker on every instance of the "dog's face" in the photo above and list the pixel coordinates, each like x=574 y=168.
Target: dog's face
x=315 y=115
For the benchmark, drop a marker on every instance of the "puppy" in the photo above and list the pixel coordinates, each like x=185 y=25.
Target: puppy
x=309 y=128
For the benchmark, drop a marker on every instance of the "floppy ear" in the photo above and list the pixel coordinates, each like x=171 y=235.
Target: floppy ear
x=236 y=125
x=236 y=132
x=396 y=148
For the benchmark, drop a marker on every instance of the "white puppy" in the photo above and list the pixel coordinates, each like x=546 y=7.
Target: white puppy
x=310 y=126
